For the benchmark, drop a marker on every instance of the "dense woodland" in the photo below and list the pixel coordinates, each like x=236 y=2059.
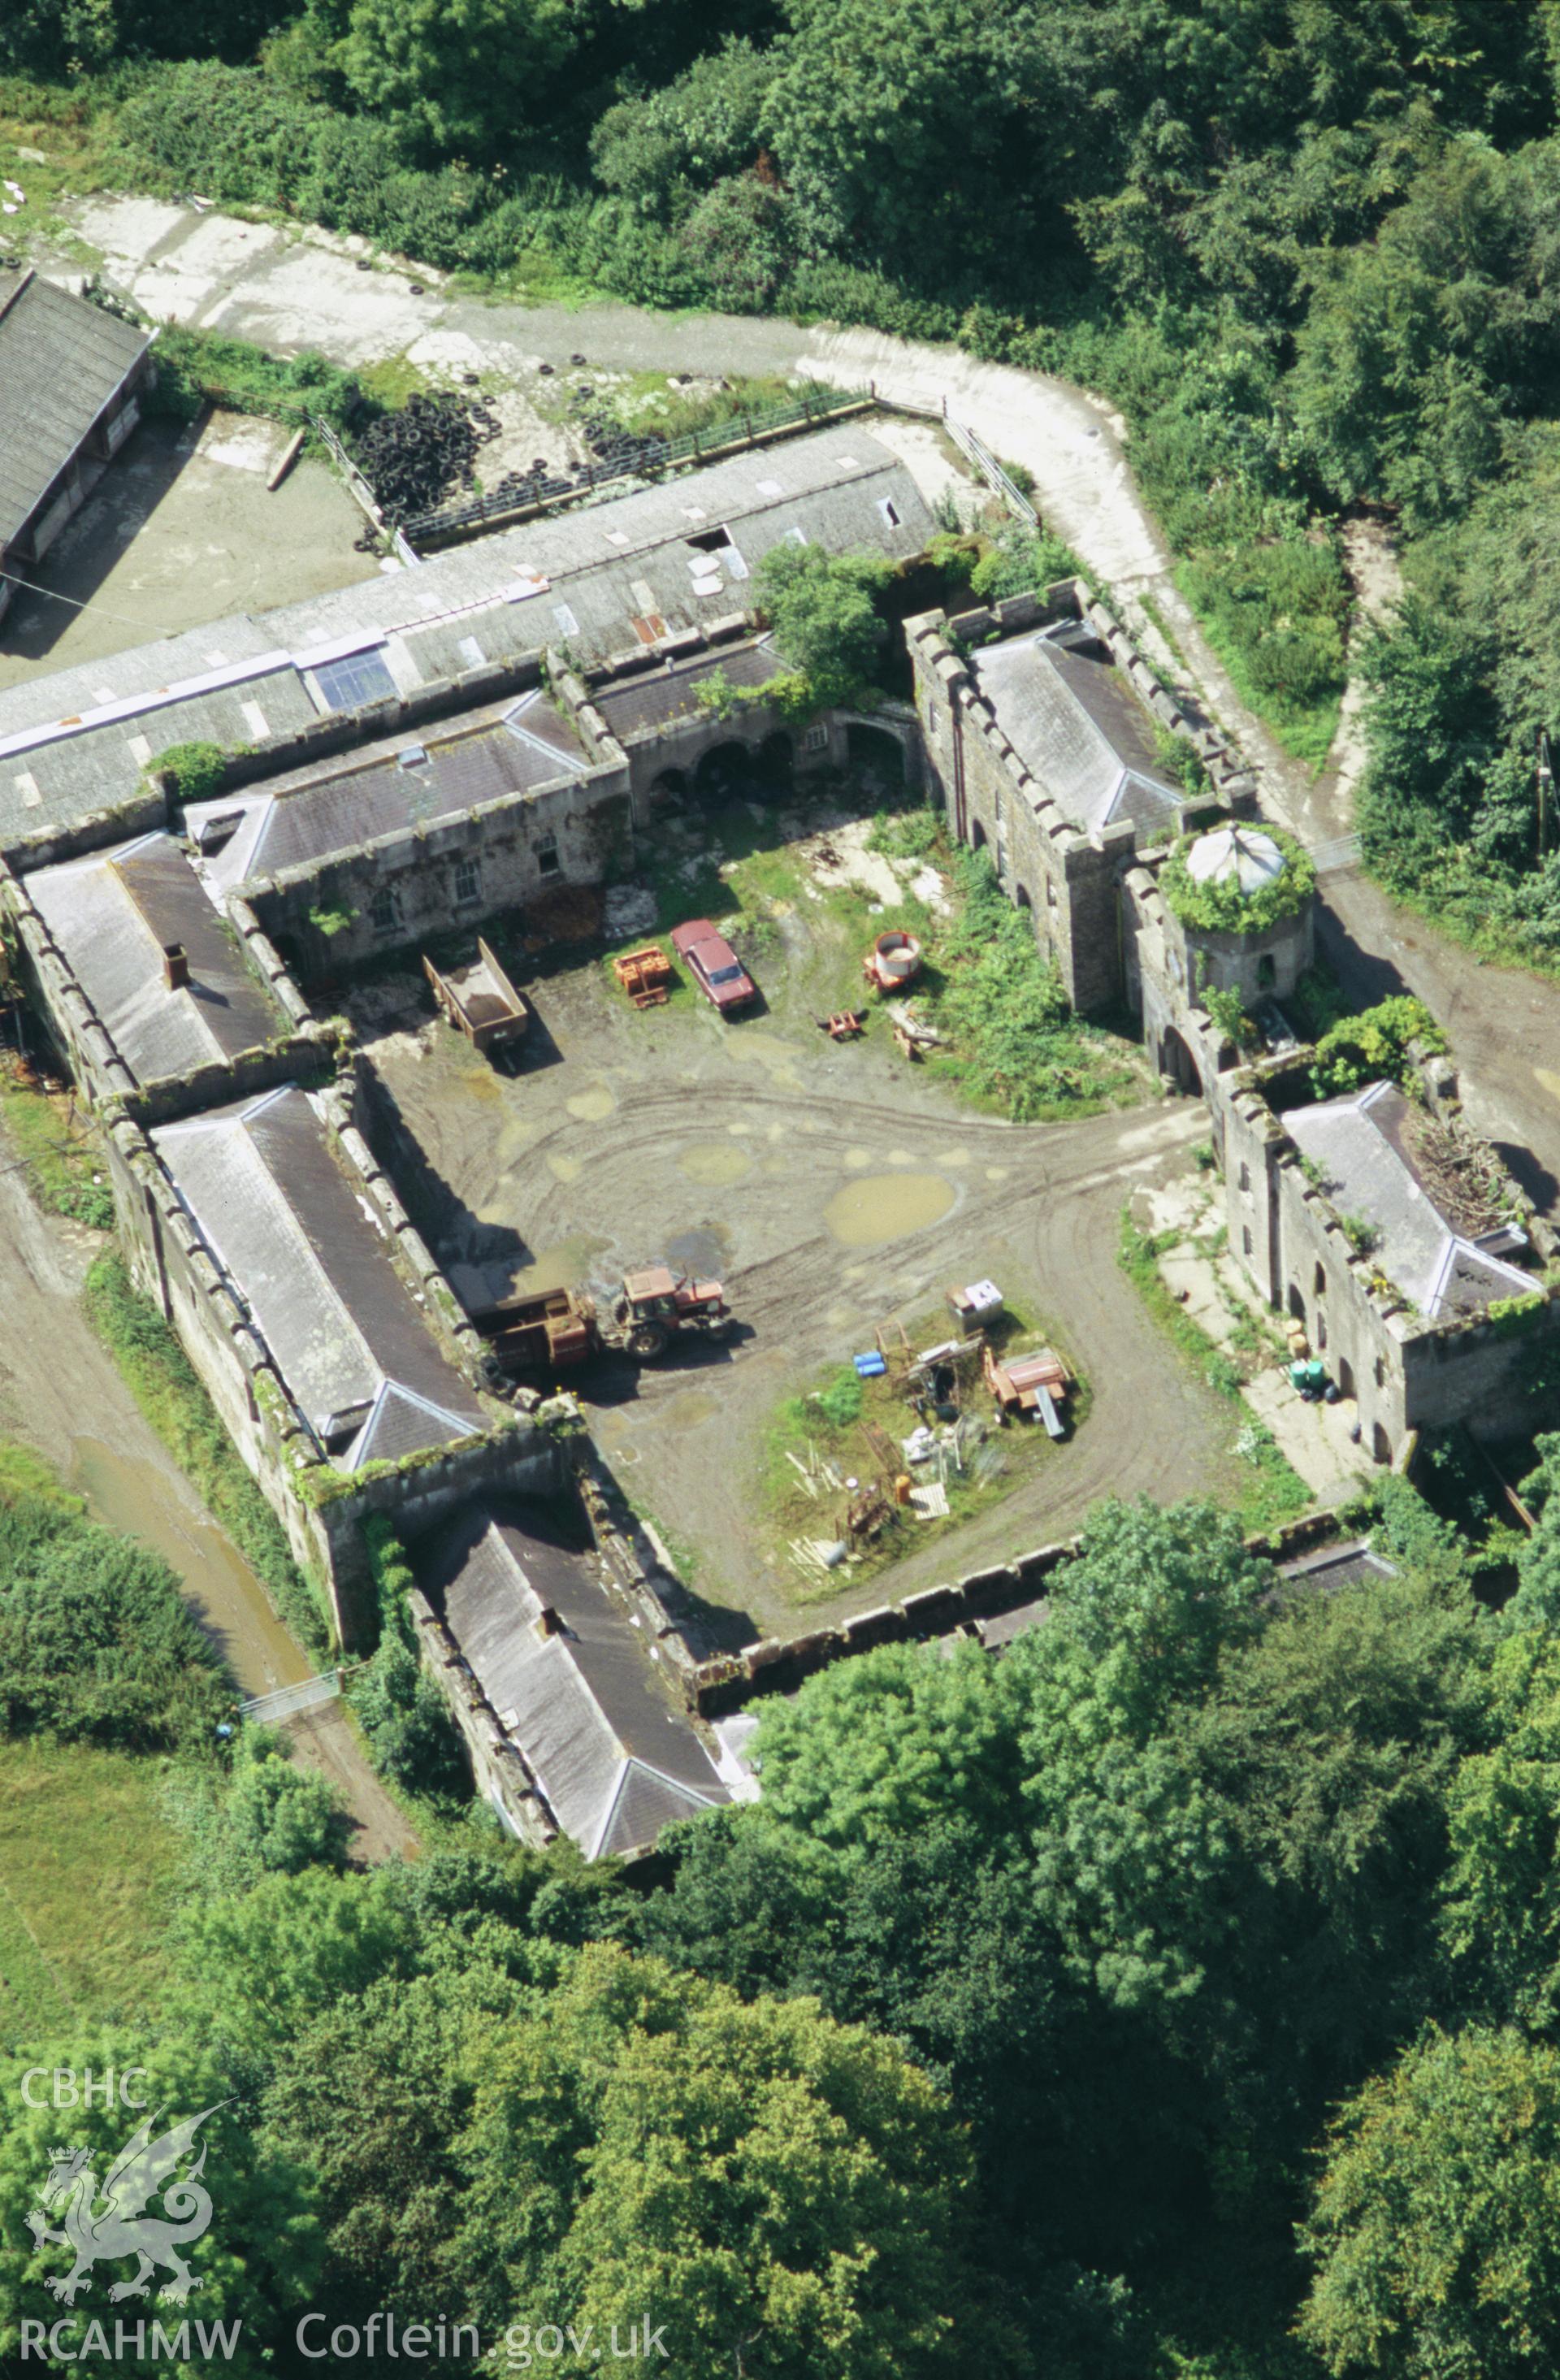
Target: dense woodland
x=1309 y=245
x=1174 y=1998
x=1178 y=1998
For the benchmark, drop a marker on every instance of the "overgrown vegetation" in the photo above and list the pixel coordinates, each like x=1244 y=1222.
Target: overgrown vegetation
x=1374 y=1047
x=165 y=1385
x=58 y=1145
x=1222 y=904
x=829 y=1425
x=1017 y=1045
x=1262 y=1489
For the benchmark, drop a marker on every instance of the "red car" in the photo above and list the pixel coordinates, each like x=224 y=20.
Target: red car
x=714 y=966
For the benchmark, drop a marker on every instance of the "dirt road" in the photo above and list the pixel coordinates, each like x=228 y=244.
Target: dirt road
x=833 y=1190
x=61 y=1392
x=291 y=289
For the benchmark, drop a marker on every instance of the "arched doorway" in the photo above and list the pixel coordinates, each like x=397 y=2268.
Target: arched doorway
x=1381 y=1445
x=670 y=789
x=773 y=764
x=1346 y=1378
x=875 y=752
x=724 y=773
x=1177 y=1061
x=977 y=835
x=1020 y=896
x=1296 y=1302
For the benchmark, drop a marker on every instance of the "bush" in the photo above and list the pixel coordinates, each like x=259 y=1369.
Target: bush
x=196 y=770
x=96 y=1644
x=408 y=1725
x=1223 y=908
x=1373 y=1047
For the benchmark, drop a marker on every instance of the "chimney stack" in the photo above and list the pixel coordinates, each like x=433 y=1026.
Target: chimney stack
x=548 y=1623
x=175 y=966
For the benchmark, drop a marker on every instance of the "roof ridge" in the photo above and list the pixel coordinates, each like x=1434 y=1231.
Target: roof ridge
x=9 y=297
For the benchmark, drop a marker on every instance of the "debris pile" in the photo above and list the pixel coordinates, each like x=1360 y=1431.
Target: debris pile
x=415 y=458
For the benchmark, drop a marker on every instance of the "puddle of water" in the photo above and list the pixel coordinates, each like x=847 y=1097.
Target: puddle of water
x=565 y=1169
x=480 y=1083
x=857 y=1159
x=739 y=1131
x=887 y=1207
x=688 y=1409
x=714 y=1164
x=703 y=1250
x=1549 y=1079
x=769 y=1051
x=593 y=1106
x=902 y=1157
x=564 y=1265
x=996 y=1172
x=952 y=1157
x=227 y=1597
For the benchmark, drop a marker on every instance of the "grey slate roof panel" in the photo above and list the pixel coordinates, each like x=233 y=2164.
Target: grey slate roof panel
x=298 y=1246
x=1359 y=1143
x=62 y=361
x=112 y=916
x=660 y=696
x=380 y=797
x=614 y=1761
x=1078 y=729
x=832 y=485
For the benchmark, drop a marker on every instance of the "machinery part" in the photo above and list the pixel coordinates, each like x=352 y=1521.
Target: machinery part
x=649 y=1339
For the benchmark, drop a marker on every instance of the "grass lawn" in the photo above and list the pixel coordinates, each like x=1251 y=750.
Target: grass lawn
x=88 y=1859
x=832 y=1420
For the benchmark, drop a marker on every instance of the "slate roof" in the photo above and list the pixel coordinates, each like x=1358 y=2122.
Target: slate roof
x=614 y=1762
x=295 y=1238
x=112 y=916
x=62 y=362
x=338 y=806
x=1369 y=1170
x=581 y=578
x=638 y=706
x=1352 y=1564
x=1078 y=729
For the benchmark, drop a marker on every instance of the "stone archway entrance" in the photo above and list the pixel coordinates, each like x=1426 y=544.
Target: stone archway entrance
x=1177 y=1061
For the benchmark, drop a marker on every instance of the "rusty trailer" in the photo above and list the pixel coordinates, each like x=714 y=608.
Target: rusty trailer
x=479 y=1000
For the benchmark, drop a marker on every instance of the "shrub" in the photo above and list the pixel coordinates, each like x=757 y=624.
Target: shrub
x=196 y=770
x=1373 y=1047
x=1223 y=908
x=96 y=1644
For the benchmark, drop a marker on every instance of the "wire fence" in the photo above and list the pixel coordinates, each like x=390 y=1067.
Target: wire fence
x=809 y=411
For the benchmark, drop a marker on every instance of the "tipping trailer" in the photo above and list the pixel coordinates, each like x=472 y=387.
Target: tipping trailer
x=557 y=1327
x=479 y=1000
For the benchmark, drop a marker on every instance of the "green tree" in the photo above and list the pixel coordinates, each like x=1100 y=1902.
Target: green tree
x=882 y=1744
x=257 y=2263
x=463 y=76
x=827 y=625
x=764 y=2182
x=1435 y=2224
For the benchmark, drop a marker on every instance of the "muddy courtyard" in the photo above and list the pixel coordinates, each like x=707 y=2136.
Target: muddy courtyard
x=833 y=1189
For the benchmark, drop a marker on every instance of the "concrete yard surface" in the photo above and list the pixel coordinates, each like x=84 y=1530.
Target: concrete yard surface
x=179 y=531
x=833 y=1189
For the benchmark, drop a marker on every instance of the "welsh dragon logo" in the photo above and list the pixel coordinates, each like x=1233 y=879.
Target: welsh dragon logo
x=107 y=2223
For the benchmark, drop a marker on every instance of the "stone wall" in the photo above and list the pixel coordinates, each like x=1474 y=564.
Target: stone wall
x=86 y=1046
x=1066 y=879
x=780 y=1665
x=400 y=891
